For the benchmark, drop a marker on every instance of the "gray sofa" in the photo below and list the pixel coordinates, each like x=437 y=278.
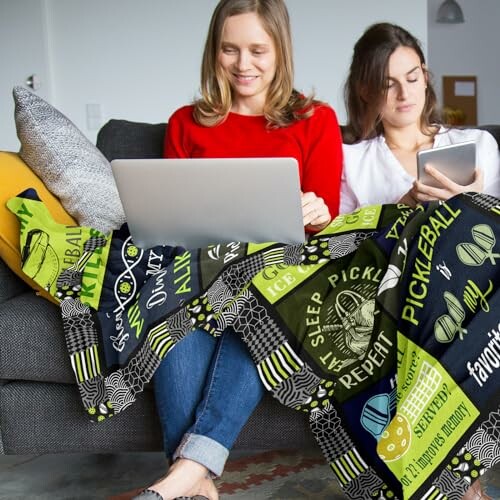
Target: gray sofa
x=40 y=409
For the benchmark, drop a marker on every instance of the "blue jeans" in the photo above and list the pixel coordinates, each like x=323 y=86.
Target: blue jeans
x=206 y=388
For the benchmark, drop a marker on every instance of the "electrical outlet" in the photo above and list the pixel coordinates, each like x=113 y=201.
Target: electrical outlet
x=94 y=116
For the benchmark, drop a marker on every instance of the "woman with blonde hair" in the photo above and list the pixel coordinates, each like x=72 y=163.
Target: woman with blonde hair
x=206 y=387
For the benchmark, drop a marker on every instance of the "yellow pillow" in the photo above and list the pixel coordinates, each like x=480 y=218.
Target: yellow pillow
x=15 y=177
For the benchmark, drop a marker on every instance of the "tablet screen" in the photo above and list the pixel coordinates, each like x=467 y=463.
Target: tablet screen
x=456 y=161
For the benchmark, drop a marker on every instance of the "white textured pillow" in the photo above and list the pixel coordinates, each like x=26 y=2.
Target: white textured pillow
x=70 y=166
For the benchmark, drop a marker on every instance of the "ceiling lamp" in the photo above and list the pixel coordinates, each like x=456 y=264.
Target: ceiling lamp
x=450 y=12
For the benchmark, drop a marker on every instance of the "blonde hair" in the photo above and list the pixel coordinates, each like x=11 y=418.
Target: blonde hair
x=284 y=105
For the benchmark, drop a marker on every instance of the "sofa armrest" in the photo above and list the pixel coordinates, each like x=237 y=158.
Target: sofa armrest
x=10 y=284
x=494 y=130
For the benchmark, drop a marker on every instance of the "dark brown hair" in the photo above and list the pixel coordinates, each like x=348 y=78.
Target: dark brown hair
x=365 y=89
x=284 y=105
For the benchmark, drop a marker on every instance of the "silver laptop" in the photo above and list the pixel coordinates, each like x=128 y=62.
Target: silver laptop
x=196 y=202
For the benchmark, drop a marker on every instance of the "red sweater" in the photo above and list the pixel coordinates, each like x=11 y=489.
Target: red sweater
x=315 y=142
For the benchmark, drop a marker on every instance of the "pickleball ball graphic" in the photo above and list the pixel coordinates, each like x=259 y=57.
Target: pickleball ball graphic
x=125 y=285
x=396 y=439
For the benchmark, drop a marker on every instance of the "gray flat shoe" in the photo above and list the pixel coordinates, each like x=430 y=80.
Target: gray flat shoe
x=153 y=495
x=196 y=497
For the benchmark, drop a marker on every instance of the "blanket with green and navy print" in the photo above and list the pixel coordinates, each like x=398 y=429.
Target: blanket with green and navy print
x=384 y=328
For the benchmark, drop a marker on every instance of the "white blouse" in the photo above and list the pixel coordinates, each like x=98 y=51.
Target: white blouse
x=372 y=175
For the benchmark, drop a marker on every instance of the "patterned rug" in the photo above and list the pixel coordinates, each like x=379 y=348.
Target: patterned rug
x=279 y=475
x=291 y=475
x=297 y=475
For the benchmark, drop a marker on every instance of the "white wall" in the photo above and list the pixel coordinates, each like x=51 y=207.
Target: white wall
x=23 y=52
x=325 y=32
x=140 y=60
x=471 y=48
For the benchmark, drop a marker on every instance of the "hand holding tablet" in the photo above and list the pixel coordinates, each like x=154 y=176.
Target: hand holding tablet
x=456 y=161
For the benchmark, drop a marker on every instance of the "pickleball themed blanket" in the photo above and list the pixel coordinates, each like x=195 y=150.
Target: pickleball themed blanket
x=384 y=328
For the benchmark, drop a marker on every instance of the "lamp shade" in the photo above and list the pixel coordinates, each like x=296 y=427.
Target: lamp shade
x=450 y=12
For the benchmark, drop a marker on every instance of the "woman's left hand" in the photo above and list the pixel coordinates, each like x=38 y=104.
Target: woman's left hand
x=315 y=213
x=421 y=192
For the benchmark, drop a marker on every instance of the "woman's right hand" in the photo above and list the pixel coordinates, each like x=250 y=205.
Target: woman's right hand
x=315 y=213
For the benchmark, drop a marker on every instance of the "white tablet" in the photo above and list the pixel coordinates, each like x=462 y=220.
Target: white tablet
x=456 y=161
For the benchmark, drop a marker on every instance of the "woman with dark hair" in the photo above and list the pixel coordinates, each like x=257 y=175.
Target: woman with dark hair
x=207 y=387
x=391 y=108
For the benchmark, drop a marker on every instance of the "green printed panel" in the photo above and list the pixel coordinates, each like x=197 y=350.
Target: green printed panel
x=48 y=248
x=257 y=247
x=361 y=219
x=93 y=276
x=432 y=414
x=277 y=281
x=333 y=317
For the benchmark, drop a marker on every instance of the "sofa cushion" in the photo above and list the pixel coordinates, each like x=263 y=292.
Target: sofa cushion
x=49 y=418
x=11 y=284
x=71 y=167
x=32 y=341
x=126 y=139
x=15 y=177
